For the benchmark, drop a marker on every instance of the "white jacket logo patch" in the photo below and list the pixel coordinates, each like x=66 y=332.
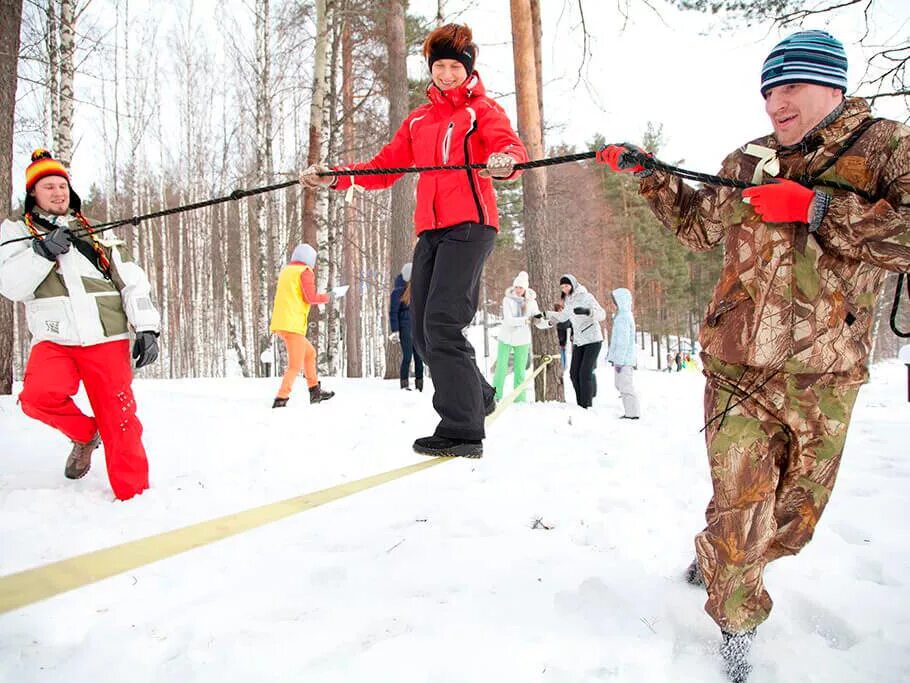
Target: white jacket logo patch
x=53 y=326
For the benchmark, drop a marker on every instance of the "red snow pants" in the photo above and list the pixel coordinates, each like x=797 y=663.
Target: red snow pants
x=52 y=377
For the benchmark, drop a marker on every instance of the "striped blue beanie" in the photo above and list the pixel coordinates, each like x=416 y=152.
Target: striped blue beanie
x=806 y=57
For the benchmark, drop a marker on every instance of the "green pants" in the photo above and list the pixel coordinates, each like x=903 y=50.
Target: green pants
x=502 y=367
x=774 y=442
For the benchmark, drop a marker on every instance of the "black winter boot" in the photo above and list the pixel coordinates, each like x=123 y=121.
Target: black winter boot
x=735 y=651
x=280 y=402
x=449 y=448
x=693 y=575
x=418 y=383
x=317 y=395
x=405 y=385
x=80 y=458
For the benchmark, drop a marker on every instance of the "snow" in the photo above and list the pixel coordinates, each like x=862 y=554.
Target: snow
x=440 y=575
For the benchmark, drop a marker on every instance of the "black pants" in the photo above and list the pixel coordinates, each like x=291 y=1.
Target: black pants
x=584 y=360
x=445 y=287
x=407 y=352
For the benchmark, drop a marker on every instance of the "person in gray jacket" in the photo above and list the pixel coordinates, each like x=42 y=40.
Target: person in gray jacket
x=585 y=314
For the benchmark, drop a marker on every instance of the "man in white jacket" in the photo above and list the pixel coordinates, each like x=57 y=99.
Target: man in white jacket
x=81 y=296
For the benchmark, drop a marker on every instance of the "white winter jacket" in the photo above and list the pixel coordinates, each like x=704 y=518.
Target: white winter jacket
x=517 y=314
x=69 y=301
x=585 y=328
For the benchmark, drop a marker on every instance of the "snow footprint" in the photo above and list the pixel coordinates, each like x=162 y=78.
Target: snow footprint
x=835 y=630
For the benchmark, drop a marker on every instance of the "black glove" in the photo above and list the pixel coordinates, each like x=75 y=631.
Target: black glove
x=145 y=348
x=580 y=310
x=56 y=242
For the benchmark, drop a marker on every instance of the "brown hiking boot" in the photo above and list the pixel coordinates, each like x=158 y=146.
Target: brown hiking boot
x=80 y=459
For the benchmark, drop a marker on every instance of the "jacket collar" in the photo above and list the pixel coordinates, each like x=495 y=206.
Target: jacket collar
x=456 y=97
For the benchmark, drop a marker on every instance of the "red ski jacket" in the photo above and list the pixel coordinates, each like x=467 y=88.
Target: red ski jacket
x=458 y=126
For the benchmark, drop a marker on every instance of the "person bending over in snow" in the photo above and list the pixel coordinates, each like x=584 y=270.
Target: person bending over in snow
x=81 y=294
x=294 y=295
x=787 y=334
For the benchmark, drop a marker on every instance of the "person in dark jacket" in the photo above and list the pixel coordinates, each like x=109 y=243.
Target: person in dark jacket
x=456 y=220
x=400 y=324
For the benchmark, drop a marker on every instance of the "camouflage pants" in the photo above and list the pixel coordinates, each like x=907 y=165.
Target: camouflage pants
x=774 y=450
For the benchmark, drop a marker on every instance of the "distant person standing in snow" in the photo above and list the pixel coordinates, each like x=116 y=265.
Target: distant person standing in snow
x=788 y=332
x=585 y=314
x=294 y=295
x=82 y=294
x=400 y=324
x=456 y=220
x=622 y=352
x=519 y=308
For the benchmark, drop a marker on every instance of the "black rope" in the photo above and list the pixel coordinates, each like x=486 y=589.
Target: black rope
x=896 y=305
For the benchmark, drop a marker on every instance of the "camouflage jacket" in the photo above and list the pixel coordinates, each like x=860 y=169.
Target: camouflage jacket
x=789 y=299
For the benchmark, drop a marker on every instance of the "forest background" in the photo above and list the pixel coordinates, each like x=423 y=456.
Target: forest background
x=162 y=104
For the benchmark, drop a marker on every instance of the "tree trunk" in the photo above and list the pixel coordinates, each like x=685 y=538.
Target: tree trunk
x=402 y=195
x=534 y=190
x=63 y=127
x=317 y=105
x=352 y=309
x=264 y=169
x=11 y=11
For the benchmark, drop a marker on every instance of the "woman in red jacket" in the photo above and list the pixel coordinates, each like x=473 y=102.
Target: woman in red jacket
x=456 y=222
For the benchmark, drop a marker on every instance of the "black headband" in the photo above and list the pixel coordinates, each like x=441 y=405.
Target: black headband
x=446 y=51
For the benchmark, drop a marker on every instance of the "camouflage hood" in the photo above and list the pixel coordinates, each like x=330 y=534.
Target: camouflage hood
x=787 y=298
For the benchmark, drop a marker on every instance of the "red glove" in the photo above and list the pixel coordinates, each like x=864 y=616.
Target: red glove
x=783 y=201
x=618 y=158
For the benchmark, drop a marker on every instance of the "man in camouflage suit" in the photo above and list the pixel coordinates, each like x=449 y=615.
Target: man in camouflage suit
x=788 y=332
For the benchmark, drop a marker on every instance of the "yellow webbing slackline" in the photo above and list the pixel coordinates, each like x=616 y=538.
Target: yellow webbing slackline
x=32 y=585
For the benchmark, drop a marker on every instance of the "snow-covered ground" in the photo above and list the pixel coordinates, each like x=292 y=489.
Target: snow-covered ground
x=441 y=576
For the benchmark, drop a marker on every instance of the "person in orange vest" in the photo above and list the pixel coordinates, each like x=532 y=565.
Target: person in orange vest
x=295 y=293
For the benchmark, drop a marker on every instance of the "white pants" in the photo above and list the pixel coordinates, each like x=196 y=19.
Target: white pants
x=623 y=381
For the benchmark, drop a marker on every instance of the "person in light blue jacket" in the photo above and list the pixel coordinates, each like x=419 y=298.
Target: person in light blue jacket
x=622 y=351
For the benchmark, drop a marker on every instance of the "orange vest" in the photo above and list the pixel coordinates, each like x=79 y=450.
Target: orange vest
x=290 y=311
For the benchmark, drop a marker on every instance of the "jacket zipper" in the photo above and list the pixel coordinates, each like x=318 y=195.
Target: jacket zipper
x=467 y=161
x=446 y=141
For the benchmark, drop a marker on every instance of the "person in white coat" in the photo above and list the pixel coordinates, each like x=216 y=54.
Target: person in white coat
x=82 y=295
x=519 y=309
x=582 y=309
x=622 y=352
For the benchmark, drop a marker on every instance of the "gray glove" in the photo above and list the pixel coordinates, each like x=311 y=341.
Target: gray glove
x=145 y=348
x=54 y=243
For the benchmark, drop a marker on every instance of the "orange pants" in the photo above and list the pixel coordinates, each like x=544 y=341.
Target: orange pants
x=301 y=356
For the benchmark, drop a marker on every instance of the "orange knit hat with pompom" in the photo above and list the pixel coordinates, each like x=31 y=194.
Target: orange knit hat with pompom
x=43 y=165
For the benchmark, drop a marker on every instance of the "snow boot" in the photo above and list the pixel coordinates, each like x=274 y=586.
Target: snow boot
x=694 y=576
x=317 y=395
x=735 y=651
x=449 y=448
x=418 y=383
x=80 y=458
x=627 y=417
x=405 y=385
x=280 y=402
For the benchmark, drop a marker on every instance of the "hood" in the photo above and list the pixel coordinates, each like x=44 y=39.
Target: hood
x=304 y=253
x=576 y=288
x=472 y=87
x=623 y=299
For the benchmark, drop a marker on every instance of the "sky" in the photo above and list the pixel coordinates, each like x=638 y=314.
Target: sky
x=557 y=557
